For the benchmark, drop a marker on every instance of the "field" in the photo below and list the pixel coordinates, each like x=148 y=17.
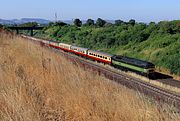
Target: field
x=38 y=84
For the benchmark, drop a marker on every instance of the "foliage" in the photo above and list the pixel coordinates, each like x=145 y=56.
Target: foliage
x=77 y=22
x=29 y=24
x=158 y=43
x=1 y=25
x=118 y=22
x=90 y=22
x=100 y=22
x=132 y=22
x=59 y=23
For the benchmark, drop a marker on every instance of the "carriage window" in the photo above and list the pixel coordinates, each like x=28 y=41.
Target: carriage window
x=105 y=57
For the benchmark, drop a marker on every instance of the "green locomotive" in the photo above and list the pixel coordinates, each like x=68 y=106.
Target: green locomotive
x=126 y=63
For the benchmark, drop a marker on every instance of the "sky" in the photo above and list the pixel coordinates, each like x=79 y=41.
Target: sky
x=140 y=10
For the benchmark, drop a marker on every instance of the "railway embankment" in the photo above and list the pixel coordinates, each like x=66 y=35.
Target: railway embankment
x=39 y=84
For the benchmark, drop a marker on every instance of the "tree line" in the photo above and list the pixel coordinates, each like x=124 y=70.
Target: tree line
x=100 y=22
x=90 y=22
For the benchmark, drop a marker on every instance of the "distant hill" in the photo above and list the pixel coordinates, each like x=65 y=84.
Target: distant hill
x=24 y=20
x=38 y=20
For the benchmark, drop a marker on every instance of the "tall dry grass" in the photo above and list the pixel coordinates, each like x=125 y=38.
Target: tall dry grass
x=37 y=84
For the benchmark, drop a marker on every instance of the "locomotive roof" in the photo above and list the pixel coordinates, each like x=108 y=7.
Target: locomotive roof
x=100 y=53
x=133 y=61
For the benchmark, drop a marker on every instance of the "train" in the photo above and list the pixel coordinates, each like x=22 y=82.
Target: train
x=117 y=61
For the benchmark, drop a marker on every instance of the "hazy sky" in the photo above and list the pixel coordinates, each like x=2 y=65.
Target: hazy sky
x=141 y=10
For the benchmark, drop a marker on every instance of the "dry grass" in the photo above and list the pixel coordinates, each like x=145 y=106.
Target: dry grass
x=38 y=84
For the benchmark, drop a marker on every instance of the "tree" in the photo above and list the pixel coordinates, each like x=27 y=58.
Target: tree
x=77 y=22
x=1 y=25
x=108 y=24
x=100 y=22
x=132 y=22
x=165 y=27
x=118 y=22
x=90 y=22
x=59 y=23
x=152 y=23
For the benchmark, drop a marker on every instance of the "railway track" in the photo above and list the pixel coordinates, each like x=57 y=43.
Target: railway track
x=159 y=94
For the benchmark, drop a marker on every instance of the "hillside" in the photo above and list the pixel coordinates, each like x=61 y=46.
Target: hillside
x=158 y=43
x=38 y=84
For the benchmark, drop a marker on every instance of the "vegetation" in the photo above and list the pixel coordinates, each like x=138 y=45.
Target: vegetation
x=90 y=22
x=77 y=22
x=100 y=22
x=1 y=26
x=158 y=43
x=29 y=24
x=38 y=84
